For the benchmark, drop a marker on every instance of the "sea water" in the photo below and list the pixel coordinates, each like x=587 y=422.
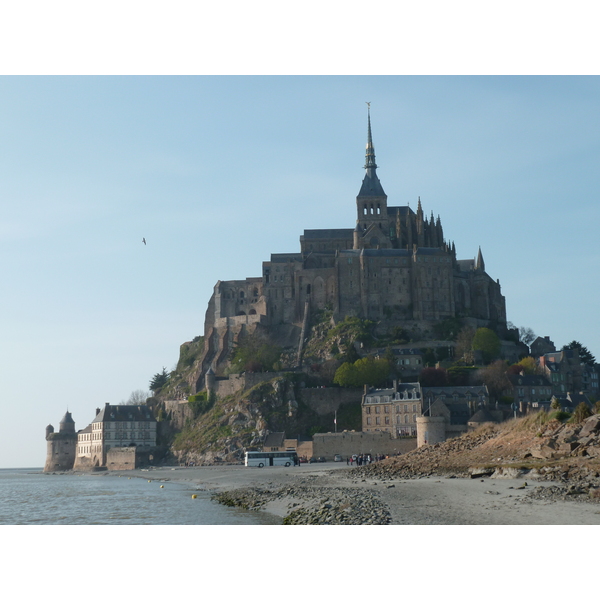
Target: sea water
x=31 y=497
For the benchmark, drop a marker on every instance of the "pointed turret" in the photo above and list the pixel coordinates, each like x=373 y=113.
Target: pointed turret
x=67 y=425
x=479 y=264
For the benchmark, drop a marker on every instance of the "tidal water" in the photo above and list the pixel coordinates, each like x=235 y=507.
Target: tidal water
x=31 y=497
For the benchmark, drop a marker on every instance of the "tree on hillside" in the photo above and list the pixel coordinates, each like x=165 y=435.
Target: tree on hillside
x=527 y=365
x=137 y=397
x=463 y=351
x=365 y=371
x=432 y=377
x=495 y=377
x=487 y=342
x=460 y=375
x=526 y=335
x=584 y=354
x=159 y=380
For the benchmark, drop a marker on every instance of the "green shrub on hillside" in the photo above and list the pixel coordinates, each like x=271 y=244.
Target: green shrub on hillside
x=581 y=413
x=365 y=371
x=201 y=402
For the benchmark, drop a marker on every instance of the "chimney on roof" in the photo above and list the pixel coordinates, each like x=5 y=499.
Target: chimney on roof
x=97 y=411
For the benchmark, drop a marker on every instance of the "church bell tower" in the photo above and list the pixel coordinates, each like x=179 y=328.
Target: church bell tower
x=372 y=222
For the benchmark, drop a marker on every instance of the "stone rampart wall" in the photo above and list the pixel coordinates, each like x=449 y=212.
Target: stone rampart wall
x=244 y=381
x=124 y=459
x=325 y=401
x=349 y=443
x=178 y=411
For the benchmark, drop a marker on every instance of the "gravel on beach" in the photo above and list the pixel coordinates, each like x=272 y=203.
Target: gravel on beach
x=339 y=495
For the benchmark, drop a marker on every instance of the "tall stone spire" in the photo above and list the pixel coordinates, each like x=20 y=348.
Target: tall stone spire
x=371 y=186
x=479 y=264
x=370 y=154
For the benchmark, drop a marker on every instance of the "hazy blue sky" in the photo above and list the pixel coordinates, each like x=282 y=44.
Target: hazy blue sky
x=218 y=172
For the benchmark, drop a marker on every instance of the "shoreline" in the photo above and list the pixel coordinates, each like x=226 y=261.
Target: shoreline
x=333 y=493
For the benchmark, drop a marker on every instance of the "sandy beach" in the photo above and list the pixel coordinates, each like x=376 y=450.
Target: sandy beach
x=422 y=501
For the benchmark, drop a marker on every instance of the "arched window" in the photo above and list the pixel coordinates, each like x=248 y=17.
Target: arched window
x=241 y=293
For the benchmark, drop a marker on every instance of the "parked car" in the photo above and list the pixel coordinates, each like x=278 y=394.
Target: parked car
x=312 y=460
x=303 y=459
x=321 y=459
x=337 y=458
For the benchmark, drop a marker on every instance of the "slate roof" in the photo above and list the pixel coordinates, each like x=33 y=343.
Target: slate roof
x=528 y=380
x=482 y=416
x=67 y=419
x=123 y=412
x=407 y=351
x=430 y=251
x=284 y=258
x=392 y=252
x=327 y=234
x=371 y=186
x=460 y=390
x=392 y=211
x=275 y=439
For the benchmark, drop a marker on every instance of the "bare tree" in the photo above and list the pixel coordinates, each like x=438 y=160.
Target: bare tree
x=527 y=335
x=137 y=397
x=463 y=351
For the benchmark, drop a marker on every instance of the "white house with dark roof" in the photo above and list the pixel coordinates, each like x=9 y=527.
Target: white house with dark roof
x=114 y=427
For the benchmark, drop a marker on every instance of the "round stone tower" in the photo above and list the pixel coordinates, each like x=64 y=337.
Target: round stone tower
x=61 y=446
x=430 y=430
x=209 y=381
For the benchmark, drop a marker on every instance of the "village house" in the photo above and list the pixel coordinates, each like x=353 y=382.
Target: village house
x=529 y=388
x=393 y=410
x=120 y=436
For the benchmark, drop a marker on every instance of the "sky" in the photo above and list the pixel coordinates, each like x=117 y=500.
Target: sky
x=218 y=172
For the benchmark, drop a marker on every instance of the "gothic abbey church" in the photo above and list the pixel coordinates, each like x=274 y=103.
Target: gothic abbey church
x=394 y=268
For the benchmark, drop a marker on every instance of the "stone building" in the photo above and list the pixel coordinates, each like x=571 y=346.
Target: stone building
x=529 y=388
x=541 y=346
x=431 y=414
x=568 y=373
x=394 y=267
x=393 y=411
x=61 y=445
x=115 y=428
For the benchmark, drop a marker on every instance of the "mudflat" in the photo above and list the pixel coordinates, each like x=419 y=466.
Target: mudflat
x=427 y=500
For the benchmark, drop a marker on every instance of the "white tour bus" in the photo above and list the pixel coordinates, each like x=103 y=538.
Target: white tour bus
x=271 y=459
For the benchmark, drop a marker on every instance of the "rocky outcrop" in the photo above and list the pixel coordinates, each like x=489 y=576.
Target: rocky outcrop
x=569 y=440
x=316 y=505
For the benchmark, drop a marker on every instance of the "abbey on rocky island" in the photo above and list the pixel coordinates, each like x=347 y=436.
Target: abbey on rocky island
x=394 y=268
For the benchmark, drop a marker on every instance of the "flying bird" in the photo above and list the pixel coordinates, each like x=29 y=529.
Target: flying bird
x=144 y=240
